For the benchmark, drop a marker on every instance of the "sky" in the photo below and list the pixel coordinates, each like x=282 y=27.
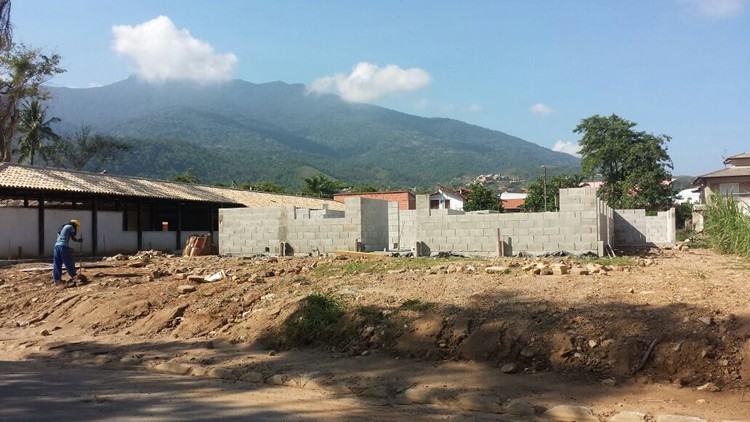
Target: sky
x=529 y=68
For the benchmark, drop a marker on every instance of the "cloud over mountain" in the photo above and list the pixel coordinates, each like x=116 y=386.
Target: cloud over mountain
x=368 y=82
x=162 y=52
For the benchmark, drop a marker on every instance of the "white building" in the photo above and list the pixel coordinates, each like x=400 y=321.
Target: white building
x=446 y=199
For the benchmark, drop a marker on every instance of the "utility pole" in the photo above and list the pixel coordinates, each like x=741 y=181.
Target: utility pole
x=545 y=188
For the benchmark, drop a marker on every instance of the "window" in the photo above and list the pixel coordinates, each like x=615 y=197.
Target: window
x=434 y=204
x=729 y=188
x=447 y=204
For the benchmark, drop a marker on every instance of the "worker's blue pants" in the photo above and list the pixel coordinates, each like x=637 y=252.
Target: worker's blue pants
x=63 y=255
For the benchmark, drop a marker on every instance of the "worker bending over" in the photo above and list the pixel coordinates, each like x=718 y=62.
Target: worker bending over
x=63 y=252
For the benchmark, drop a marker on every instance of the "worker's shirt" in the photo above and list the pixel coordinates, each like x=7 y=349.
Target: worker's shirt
x=63 y=238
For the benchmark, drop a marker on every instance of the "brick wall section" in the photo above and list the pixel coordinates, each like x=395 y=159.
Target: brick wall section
x=633 y=229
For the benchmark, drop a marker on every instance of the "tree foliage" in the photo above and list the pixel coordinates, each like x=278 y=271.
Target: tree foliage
x=84 y=149
x=535 y=200
x=186 y=176
x=23 y=71
x=321 y=186
x=6 y=29
x=264 y=186
x=633 y=164
x=481 y=198
x=35 y=128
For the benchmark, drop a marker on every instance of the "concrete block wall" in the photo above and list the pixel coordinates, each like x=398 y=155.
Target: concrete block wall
x=634 y=229
x=245 y=231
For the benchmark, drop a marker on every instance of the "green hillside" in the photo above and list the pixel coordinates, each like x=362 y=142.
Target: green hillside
x=275 y=131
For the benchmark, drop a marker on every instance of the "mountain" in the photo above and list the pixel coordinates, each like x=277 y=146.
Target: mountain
x=275 y=131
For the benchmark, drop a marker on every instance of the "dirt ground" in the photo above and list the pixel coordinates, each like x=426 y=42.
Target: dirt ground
x=379 y=338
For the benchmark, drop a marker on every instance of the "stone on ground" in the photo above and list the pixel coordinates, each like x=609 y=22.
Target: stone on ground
x=569 y=413
x=628 y=417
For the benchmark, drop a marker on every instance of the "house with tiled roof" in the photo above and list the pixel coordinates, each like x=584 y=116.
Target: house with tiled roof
x=732 y=180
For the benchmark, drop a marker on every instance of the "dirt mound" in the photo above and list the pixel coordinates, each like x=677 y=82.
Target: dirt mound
x=664 y=318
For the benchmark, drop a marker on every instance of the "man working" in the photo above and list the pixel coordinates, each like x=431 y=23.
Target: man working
x=63 y=252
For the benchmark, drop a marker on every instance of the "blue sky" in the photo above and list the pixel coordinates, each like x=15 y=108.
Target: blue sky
x=530 y=68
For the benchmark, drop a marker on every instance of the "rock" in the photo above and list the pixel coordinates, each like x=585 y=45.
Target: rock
x=609 y=382
x=185 y=288
x=710 y=387
x=519 y=407
x=217 y=276
x=470 y=268
x=478 y=402
x=678 y=418
x=593 y=344
x=579 y=271
x=628 y=417
x=223 y=373
x=509 y=368
x=170 y=367
x=497 y=270
x=277 y=379
x=569 y=413
x=397 y=271
x=706 y=320
x=560 y=269
x=44 y=333
x=195 y=278
x=252 y=376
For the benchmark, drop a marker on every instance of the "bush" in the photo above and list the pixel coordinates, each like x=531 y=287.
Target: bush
x=727 y=227
x=315 y=320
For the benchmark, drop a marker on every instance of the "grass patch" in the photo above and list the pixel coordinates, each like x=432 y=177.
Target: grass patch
x=315 y=320
x=701 y=275
x=416 y=305
x=727 y=227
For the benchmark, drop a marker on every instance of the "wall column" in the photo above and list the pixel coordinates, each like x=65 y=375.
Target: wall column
x=138 y=223
x=178 y=235
x=40 y=220
x=94 y=226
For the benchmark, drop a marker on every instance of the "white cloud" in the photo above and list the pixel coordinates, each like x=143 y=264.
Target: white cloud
x=368 y=82
x=571 y=148
x=541 y=109
x=163 y=52
x=717 y=9
x=474 y=108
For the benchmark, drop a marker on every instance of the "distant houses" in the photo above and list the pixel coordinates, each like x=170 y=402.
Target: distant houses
x=733 y=180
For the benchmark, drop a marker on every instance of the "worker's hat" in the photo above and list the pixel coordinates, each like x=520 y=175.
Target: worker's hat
x=76 y=223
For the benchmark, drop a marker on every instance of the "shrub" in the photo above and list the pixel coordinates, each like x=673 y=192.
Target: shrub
x=727 y=226
x=315 y=320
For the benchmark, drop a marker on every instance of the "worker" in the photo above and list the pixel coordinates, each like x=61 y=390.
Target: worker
x=63 y=252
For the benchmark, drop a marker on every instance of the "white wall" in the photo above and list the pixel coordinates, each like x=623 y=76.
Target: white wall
x=456 y=202
x=18 y=233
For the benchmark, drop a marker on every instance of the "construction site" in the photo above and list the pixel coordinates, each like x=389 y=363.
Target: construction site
x=368 y=311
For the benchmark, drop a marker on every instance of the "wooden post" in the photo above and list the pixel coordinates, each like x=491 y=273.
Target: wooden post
x=40 y=220
x=178 y=235
x=94 y=226
x=138 y=224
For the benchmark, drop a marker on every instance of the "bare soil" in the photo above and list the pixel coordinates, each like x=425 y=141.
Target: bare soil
x=427 y=332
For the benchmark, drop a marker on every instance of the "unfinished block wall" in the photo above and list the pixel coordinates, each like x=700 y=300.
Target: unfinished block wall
x=584 y=224
x=575 y=228
x=246 y=231
x=635 y=229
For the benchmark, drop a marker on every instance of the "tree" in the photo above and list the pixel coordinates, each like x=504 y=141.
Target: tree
x=482 y=198
x=634 y=165
x=535 y=200
x=186 y=176
x=321 y=186
x=263 y=186
x=6 y=29
x=22 y=73
x=35 y=128
x=364 y=189
x=84 y=149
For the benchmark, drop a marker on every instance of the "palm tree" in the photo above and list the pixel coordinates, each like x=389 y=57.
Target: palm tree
x=34 y=128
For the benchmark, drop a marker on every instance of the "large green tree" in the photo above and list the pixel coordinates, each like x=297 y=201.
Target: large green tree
x=535 y=200
x=35 y=128
x=480 y=198
x=321 y=186
x=634 y=165
x=84 y=150
x=23 y=72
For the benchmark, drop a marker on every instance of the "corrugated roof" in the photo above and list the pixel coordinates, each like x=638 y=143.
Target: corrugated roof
x=510 y=204
x=60 y=180
x=726 y=172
